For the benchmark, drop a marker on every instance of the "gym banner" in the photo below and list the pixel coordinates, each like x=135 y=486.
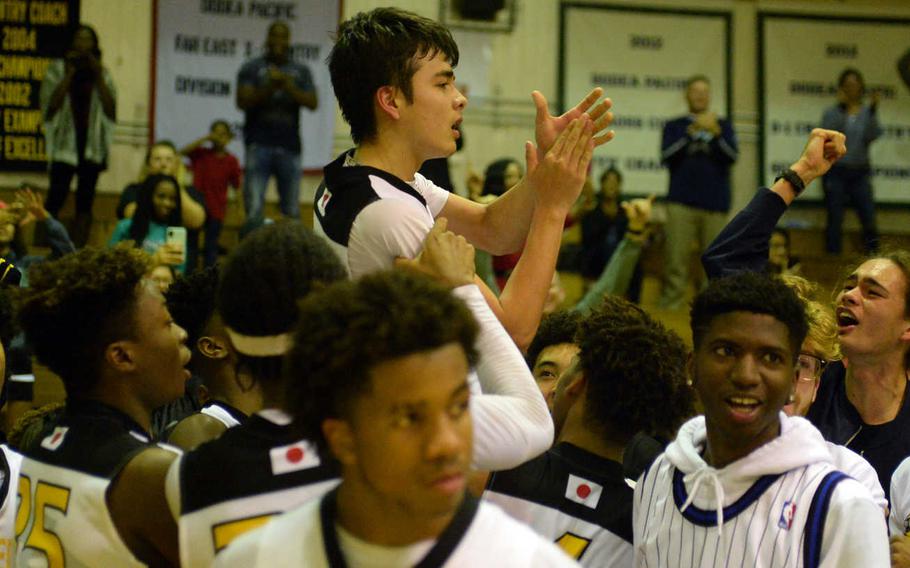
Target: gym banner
x=801 y=59
x=200 y=46
x=642 y=59
x=32 y=34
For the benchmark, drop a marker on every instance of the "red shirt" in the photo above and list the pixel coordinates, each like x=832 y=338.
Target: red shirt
x=212 y=174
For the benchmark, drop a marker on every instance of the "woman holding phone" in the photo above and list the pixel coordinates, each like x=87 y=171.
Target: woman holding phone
x=79 y=107
x=155 y=226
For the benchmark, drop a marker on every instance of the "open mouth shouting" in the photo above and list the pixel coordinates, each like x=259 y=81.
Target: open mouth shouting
x=846 y=321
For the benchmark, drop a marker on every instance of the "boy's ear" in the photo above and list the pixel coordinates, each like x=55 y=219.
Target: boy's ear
x=388 y=101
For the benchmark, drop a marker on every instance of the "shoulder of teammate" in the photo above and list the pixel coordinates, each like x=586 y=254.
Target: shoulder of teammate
x=195 y=430
x=512 y=536
x=435 y=196
x=281 y=541
x=389 y=228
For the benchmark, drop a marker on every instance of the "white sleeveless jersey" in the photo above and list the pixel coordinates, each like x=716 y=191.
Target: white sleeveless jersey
x=235 y=483
x=10 y=465
x=63 y=515
x=781 y=521
x=493 y=540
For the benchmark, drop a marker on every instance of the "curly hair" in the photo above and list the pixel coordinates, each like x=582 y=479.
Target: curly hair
x=348 y=328
x=750 y=292
x=820 y=317
x=79 y=304
x=191 y=302
x=635 y=370
x=262 y=281
x=145 y=208
x=378 y=48
x=555 y=328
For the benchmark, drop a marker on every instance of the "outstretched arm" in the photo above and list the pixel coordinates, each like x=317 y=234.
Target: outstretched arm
x=743 y=243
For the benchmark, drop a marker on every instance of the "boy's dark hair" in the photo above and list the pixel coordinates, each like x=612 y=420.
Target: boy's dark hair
x=378 y=48
x=347 y=329
x=635 y=370
x=750 y=292
x=223 y=123
x=555 y=328
x=267 y=274
x=191 y=302
x=79 y=304
x=145 y=208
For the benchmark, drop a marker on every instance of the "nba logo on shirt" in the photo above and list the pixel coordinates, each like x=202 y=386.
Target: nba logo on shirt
x=53 y=441
x=326 y=196
x=786 y=515
x=582 y=491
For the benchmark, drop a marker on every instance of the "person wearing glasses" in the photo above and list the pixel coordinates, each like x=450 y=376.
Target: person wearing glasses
x=873 y=326
x=818 y=350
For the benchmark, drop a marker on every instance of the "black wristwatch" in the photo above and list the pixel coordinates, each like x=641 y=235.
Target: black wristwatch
x=793 y=178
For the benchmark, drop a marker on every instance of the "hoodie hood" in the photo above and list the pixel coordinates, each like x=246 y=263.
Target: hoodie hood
x=711 y=489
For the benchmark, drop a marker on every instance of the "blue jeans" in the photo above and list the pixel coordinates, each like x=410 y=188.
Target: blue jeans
x=843 y=185
x=261 y=163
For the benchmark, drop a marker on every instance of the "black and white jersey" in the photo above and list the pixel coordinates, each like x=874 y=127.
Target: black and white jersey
x=370 y=217
x=63 y=515
x=235 y=483
x=574 y=498
x=224 y=413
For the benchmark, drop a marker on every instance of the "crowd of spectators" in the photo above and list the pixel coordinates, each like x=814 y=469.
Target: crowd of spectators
x=404 y=384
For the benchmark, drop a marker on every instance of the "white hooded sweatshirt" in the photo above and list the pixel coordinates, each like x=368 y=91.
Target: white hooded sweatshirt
x=768 y=509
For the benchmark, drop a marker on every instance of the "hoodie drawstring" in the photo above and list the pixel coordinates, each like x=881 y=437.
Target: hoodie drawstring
x=696 y=478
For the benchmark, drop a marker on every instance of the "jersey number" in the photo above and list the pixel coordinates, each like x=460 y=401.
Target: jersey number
x=46 y=496
x=573 y=545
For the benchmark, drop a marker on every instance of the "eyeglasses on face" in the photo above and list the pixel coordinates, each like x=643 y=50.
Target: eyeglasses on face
x=810 y=367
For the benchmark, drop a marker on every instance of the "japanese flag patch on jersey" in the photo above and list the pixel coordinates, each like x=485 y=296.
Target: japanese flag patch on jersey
x=582 y=491
x=326 y=197
x=53 y=441
x=294 y=457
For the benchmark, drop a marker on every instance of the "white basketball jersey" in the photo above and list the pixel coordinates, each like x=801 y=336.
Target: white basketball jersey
x=778 y=522
x=493 y=539
x=63 y=515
